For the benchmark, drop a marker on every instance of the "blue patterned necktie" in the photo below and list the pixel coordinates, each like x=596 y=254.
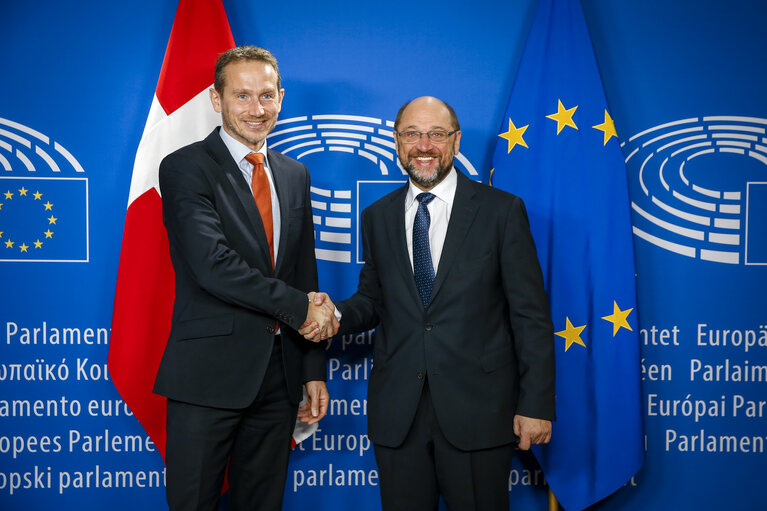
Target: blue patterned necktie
x=423 y=270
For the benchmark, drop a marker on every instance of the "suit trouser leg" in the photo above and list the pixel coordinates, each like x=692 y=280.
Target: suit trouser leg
x=413 y=475
x=199 y=441
x=407 y=473
x=202 y=439
x=259 y=462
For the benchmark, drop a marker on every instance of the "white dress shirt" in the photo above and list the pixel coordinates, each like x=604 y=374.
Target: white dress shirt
x=439 y=212
x=239 y=151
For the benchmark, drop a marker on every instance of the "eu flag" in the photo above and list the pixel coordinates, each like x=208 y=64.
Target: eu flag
x=44 y=219
x=558 y=150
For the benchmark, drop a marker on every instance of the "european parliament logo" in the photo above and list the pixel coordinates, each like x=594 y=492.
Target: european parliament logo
x=43 y=199
x=356 y=155
x=702 y=188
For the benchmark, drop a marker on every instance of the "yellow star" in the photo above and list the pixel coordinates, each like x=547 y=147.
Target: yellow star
x=38 y=195
x=23 y=191
x=564 y=117
x=9 y=244
x=618 y=318
x=1 y=234
x=23 y=247
x=52 y=219
x=572 y=335
x=48 y=234
x=514 y=136
x=9 y=195
x=38 y=244
x=48 y=206
x=607 y=127
x=1 y=205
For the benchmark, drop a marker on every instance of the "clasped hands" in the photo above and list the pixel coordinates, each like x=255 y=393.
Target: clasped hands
x=321 y=322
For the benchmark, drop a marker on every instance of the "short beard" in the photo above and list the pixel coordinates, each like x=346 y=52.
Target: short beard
x=233 y=129
x=431 y=181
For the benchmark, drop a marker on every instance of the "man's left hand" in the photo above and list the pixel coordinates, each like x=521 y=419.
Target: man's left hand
x=531 y=431
x=316 y=405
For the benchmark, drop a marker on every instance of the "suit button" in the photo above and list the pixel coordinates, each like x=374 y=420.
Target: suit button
x=419 y=376
x=428 y=327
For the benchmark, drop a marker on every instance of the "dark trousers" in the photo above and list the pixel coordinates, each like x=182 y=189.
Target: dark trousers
x=255 y=440
x=415 y=474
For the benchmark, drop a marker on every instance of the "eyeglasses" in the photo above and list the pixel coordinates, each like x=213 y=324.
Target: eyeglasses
x=436 y=136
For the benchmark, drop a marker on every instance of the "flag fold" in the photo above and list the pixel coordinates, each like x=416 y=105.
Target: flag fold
x=180 y=114
x=558 y=150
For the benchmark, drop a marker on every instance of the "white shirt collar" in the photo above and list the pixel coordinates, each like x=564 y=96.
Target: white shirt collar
x=237 y=149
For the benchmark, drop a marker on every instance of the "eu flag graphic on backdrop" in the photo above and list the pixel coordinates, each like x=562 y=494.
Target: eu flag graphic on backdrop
x=558 y=150
x=43 y=219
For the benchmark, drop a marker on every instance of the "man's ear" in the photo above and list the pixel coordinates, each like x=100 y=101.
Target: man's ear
x=215 y=99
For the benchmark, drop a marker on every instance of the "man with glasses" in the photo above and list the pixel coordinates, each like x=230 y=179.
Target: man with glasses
x=464 y=354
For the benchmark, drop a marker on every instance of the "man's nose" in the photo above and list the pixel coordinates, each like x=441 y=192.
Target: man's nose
x=424 y=142
x=256 y=108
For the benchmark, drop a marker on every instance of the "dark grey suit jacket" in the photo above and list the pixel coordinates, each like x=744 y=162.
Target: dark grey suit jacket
x=227 y=295
x=485 y=342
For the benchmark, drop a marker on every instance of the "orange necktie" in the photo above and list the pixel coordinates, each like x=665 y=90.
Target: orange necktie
x=263 y=195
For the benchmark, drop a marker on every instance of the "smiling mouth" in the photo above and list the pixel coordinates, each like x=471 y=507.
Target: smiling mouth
x=424 y=160
x=254 y=124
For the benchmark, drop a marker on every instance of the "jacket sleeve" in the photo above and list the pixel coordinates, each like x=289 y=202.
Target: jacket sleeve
x=529 y=315
x=314 y=360
x=360 y=311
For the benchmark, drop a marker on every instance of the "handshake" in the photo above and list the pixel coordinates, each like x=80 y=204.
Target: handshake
x=321 y=322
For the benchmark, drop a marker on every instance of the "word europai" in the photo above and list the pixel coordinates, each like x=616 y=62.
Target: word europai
x=742 y=339
x=740 y=407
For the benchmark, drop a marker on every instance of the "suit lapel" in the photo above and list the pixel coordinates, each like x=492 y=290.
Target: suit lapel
x=281 y=184
x=244 y=194
x=395 y=233
x=461 y=218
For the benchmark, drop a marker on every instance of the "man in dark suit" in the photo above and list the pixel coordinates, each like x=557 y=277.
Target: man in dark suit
x=241 y=237
x=464 y=353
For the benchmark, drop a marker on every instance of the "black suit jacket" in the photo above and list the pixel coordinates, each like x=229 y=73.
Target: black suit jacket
x=486 y=340
x=227 y=295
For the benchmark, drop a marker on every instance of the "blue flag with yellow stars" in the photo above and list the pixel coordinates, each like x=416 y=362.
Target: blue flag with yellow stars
x=558 y=150
x=43 y=219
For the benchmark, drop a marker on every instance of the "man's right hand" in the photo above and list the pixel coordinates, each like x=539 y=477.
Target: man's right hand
x=321 y=322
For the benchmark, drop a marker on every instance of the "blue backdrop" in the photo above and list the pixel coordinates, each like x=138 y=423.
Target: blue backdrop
x=78 y=80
